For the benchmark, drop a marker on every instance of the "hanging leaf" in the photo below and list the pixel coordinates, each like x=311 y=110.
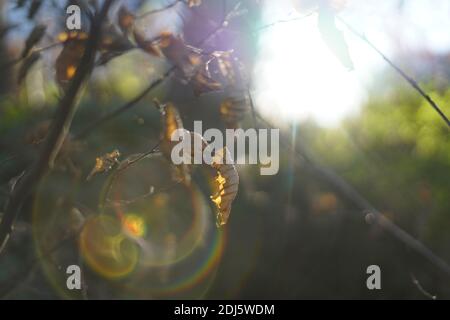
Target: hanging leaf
x=234 y=109
x=227 y=182
x=187 y=58
x=113 y=40
x=5 y=29
x=26 y=66
x=113 y=44
x=194 y=3
x=125 y=19
x=203 y=83
x=70 y=56
x=171 y=121
x=333 y=37
x=34 y=37
x=104 y=163
x=20 y=4
x=34 y=8
x=149 y=46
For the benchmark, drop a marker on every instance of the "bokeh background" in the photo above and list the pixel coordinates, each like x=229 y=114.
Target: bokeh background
x=290 y=236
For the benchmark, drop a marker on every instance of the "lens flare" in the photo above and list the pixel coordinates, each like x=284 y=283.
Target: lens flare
x=106 y=248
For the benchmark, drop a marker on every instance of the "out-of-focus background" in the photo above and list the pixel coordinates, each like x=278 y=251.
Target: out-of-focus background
x=291 y=235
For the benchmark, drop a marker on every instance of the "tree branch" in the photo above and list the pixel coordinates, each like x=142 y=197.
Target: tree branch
x=366 y=208
x=129 y=105
x=58 y=132
x=402 y=73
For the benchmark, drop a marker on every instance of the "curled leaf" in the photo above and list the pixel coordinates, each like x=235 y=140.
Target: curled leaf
x=125 y=19
x=104 y=163
x=171 y=121
x=202 y=83
x=194 y=3
x=34 y=8
x=34 y=37
x=234 y=109
x=26 y=66
x=149 y=46
x=113 y=44
x=70 y=56
x=227 y=181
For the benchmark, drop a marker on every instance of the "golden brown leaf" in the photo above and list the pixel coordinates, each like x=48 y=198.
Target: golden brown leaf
x=194 y=3
x=104 y=163
x=227 y=182
x=171 y=121
x=150 y=46
x=233 y=110
x=70 y=57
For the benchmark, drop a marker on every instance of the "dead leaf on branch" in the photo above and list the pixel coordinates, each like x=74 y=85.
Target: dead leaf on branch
x=104 y=163
x=226 y=182
x=192 y=63
x=234 y=109
x=68 y=60
x=33 y=38
x=171 y=121
x=194 y=3
x=125 y=20
x=149 y=46
x=34 y=8
x=26 y=66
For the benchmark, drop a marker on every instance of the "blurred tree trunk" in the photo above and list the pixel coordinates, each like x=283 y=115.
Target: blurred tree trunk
x=4 y=56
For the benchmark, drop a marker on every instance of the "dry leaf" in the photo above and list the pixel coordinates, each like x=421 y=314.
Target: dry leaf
x=234 y=109
x=194 y=3
x=34 y=8
x=125 y=20
x=104 y=163
x=70 y=56
x=171 y=121
x=34 y=37
x=26 y=66
x=149 y=46
x=227 y=181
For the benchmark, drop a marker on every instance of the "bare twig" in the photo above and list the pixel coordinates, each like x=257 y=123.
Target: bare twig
x=15 y=280
x=421 y=289
x=123 y=165
x=58 y=132
x=366 y=208
x=15 y=61
x=167 y=7
x=132 y=103
x=402 y=73
x=272 y=24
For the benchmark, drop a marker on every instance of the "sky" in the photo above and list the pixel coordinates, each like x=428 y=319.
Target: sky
x=298 y=78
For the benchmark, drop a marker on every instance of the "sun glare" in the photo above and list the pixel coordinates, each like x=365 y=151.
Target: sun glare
x=300 y=78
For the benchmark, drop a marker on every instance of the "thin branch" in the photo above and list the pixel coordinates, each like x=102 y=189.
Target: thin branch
x=58 y=132
x=132 y=103
x=9 y=64
x=421 y=289
x=129 y=105
x=167 y=7
x=15 y=280
x=121 y=167
x=351 y=194
x=272 y=24
x=402 y=73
